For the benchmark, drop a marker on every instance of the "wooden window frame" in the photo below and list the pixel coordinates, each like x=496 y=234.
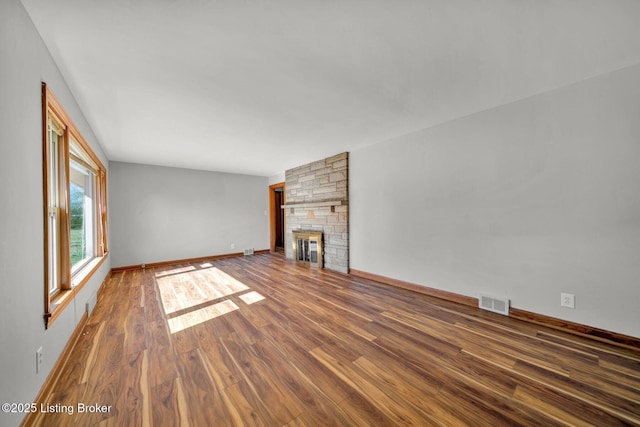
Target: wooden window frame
x=68 y=284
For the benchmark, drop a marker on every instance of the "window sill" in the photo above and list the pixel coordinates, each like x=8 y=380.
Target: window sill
x=84 y=274
x=64 y=297
x=58 y=303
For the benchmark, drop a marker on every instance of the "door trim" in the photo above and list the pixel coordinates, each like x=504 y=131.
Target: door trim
x=273 y=210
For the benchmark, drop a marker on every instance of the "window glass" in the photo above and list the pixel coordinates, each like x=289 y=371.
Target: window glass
x=55 y=133
x=82 y=214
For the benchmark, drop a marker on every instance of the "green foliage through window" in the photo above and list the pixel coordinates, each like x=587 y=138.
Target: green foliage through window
x=78 y=241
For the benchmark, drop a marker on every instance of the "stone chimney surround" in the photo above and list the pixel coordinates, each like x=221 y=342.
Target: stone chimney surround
x=317 y=198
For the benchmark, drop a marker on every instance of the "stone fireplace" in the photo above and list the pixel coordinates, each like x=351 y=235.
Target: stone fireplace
x=317 y=200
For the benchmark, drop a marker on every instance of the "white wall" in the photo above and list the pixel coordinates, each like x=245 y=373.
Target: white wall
x=523 y=201
x=277 y=179
x=165 y=214
x=25 y=64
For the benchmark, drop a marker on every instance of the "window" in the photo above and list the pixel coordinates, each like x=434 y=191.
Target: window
x=81 y=210
x=75 y=208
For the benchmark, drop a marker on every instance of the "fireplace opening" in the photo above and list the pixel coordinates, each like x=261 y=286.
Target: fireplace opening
x=307 y=247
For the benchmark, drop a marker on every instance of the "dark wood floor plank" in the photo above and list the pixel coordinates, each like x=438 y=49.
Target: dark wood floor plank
x=199 y=390
x=388 y=401
x=601 y=398
x=361 y=412
x=308 y=366
x=247 y=408
x=224 y=373
x=184 y=345
x=132 y=406
x=564 y=398
x=162 y=365
x=318 y=407
x=281 y=404
x=557 y=413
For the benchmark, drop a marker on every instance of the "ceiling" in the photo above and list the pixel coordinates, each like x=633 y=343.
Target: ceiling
x=258 y=87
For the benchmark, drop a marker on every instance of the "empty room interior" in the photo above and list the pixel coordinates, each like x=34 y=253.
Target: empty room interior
x=281 y=213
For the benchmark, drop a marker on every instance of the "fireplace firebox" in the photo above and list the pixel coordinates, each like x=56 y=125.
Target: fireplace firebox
x=307 y=247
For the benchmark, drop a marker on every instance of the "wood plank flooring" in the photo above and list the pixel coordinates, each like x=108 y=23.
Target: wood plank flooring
x=259 y=341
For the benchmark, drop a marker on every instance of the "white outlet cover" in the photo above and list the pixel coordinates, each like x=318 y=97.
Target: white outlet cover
x=567 y=300
x=39 y=359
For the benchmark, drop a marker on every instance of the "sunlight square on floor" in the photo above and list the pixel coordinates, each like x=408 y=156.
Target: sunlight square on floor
x=187 y=320
x=189 y=289
x=251 y=297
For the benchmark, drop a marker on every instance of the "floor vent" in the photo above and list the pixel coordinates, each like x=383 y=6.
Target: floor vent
x=248 y=252
x=497 y=305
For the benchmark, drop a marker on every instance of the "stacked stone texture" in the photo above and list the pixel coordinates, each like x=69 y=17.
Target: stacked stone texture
x=322 y=181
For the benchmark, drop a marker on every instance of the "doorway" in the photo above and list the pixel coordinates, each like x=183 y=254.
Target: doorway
x=276 y=200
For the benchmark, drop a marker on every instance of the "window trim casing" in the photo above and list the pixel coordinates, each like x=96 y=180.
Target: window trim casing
x=69 y=284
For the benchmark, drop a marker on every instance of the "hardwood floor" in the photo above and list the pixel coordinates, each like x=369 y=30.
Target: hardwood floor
x=261 y=341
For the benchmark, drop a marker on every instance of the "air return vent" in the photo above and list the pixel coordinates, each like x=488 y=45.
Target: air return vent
x=497 y=305
x=248 y=252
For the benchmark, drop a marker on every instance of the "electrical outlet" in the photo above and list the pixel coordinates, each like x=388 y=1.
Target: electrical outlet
x=567 y=300
x=39 y=359
x=233 y=246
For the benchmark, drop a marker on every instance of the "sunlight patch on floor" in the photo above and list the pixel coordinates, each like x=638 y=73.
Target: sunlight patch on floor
x=175 y=271
x=193 y=288
x=187 y=320
x=251 y=297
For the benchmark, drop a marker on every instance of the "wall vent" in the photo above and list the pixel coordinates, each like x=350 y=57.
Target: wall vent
x=497 y=305
x=248 y=252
